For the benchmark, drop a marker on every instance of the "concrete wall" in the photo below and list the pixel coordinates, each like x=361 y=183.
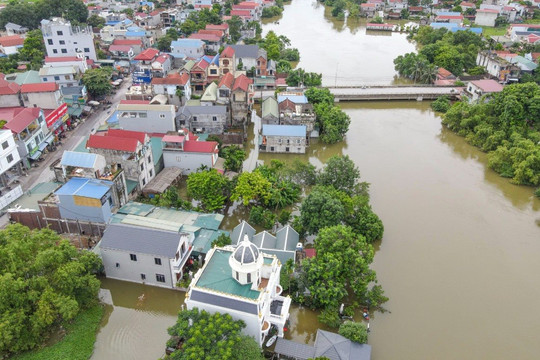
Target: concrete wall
x=10 y=100
x=279 y=144
x=8 y=147
x=211 y=123
x=188 y=162
x=72 y=40
x=70 y=210
x=147 y=121
x=129 y=270
x=44 y=100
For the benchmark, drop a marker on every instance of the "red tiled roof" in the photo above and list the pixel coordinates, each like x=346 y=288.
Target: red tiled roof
x=227 y=80
x=112 y=143
x=203 y=64
x=207 y=37
x=162 y=58
x=173 y=138
x=23 y=119
x=450 y=17
x=535 y=56
x=218 y=33
x=241 y=13
x=416 y=8
x=367 y=5
x=49 y=59
x=310 y=253
x=533 y=38
x=172 y=79
x=444 y=73
x=247 y=5
x=140 y=136
x=127 y=42
x=488 y=11
x=222 y=27
x=39 y=87
x=12 y=40
x=155 y=12
x=488 y=85
x=227 y=53
x=201 y=146
x=122 y=48
x=148 y=54
x=8 y=88
x=242 y=82
x=135 y=102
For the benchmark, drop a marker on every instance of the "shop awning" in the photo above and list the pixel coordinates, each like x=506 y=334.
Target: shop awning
x=42 y=146
x=35 y=155
x=75 y=111
x=131 y=185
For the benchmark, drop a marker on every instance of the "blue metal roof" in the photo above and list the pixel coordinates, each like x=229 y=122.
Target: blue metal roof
x=297 y=99
x=135 y=33
x=78 y=159
x=90 y=188
x=284 y=130
x=196 y=43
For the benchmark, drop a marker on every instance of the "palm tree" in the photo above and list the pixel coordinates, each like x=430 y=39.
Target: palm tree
x=180 y=94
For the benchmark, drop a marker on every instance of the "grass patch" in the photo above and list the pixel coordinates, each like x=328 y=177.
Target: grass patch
x=77 y=344
x=493 y=31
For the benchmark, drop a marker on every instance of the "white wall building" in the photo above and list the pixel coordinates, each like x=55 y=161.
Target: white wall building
x=9 y=155
x=63 y=39
x=189 y=155
x=147 y=118
x=244 y=283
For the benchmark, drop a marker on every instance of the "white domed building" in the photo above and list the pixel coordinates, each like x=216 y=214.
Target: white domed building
x=243 y=282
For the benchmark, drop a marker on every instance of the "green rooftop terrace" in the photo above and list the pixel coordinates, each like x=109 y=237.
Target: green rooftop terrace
x=217 y=276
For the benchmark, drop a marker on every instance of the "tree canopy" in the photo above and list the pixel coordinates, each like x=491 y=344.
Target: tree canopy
x=98 y=81
x=43 y=281
x=234 y=158
x=30 y=13
x=355 y=331
x=210 y=188
x=333 y=122
x=341 y=173
x=212 y=337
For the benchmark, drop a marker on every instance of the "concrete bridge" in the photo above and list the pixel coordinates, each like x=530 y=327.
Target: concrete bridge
x=407 y=92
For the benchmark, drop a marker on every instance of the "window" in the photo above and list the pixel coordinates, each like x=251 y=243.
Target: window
x=271 y=148
x=298 y=141
x=143 y=115
x=55 y=51
x=5 y=145
x=214 y=118
x=144 y=182
x=160 y=278
x=249 y=277
x=62 y=42
x=237 y=275
x=57 y=78
x=287 y=149
x=59 y=33
x=162 y=116
x=213 y=72
x=63 y=51
x=67 y=77
x=117 y=264
x=9 y=158
x=44 y=79
x=86 y=49
x=150 y=173
x=49 y=41
x=143 y=276
x=149 y=159
x=288 y=141
x=194 y=118
x=157 y=261
x=133 y=257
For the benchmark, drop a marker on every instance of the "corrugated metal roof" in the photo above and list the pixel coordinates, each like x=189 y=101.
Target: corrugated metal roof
x=78 y=159
x=297 y=99
x=270 y=107
x=141 y=240
x=90 y=188
x=294 y=350
x=284 y=130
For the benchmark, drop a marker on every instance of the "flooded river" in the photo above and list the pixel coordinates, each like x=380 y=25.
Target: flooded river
x=459 y=258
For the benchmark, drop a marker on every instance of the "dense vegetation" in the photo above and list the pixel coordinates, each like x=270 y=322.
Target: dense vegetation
x=355 y=331
x=30 y=13
x=507 y=127
x=333 y=122
x=98 y=81
x=44 y=282
x=211 y=337
x=33 y=51
x=456 y=52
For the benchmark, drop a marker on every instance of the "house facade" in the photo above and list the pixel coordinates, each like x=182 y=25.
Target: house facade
x=189 y=155
x=147 y=118
x=43 y=95
x=478 y=88
x=241 y=99
x=150 y=256
x=206 y=119
x=63 y=39
x=188 y=48
x=9 y=155
x=170 y=85
x=283 y=139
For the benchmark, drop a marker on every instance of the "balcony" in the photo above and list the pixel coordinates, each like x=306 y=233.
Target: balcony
x=179 y=262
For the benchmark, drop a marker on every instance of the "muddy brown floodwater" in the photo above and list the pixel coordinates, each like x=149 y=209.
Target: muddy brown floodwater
x=459 y=258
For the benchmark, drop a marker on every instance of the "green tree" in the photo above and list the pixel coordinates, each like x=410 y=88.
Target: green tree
x=341 y=173
x=212 y=337
x=209 y=187
x=235 y=26
x=234 y=158
x=98 y=81
x=44 y=281
x=252 y=187
x=222 y=240
x=298 y=77
x=164 y=43
x=341 y=268
x=355 y=331
x=333 y=122
x=321 y=208
x=442 y=104
x=95 y=21
x=262 y=217
x=319 y=95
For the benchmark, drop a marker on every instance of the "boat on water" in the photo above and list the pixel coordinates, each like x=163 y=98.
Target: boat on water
x=271 y=341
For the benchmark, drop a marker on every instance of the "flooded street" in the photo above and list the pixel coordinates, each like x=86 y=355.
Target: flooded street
x=459 y=258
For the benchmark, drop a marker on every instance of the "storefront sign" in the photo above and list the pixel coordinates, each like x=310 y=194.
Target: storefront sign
x=59 y=115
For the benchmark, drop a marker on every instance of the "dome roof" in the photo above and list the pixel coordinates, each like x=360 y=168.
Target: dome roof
x=246 y=252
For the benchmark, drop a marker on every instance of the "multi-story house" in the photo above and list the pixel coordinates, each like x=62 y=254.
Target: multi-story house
x=188 y=48
x=212 y=41
x=225 y=88
x=296 y=113
x=249 y=57
x=227 y=61
x=61 y=61
x=10 y=45
x=478 y=88
x=170 y=86
x=29 y=130
x=109 y=33
x=206 y=119
x=255 y=9
x=270 y=111
x=150 y=256
x=241 y=98
x=63 y=39
x=128 y=150
x=243 y=282
x=168 y=17
x=283 y=139
x=185 y=152
x=498 y=67
x=135 y=44
x=199 y=75
x=212 y=71
x=62 y=75
x=9 y=93
x=151 y=64
x=92 y=166
x=43 y=95
x=152 y=118
x=9 y=156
